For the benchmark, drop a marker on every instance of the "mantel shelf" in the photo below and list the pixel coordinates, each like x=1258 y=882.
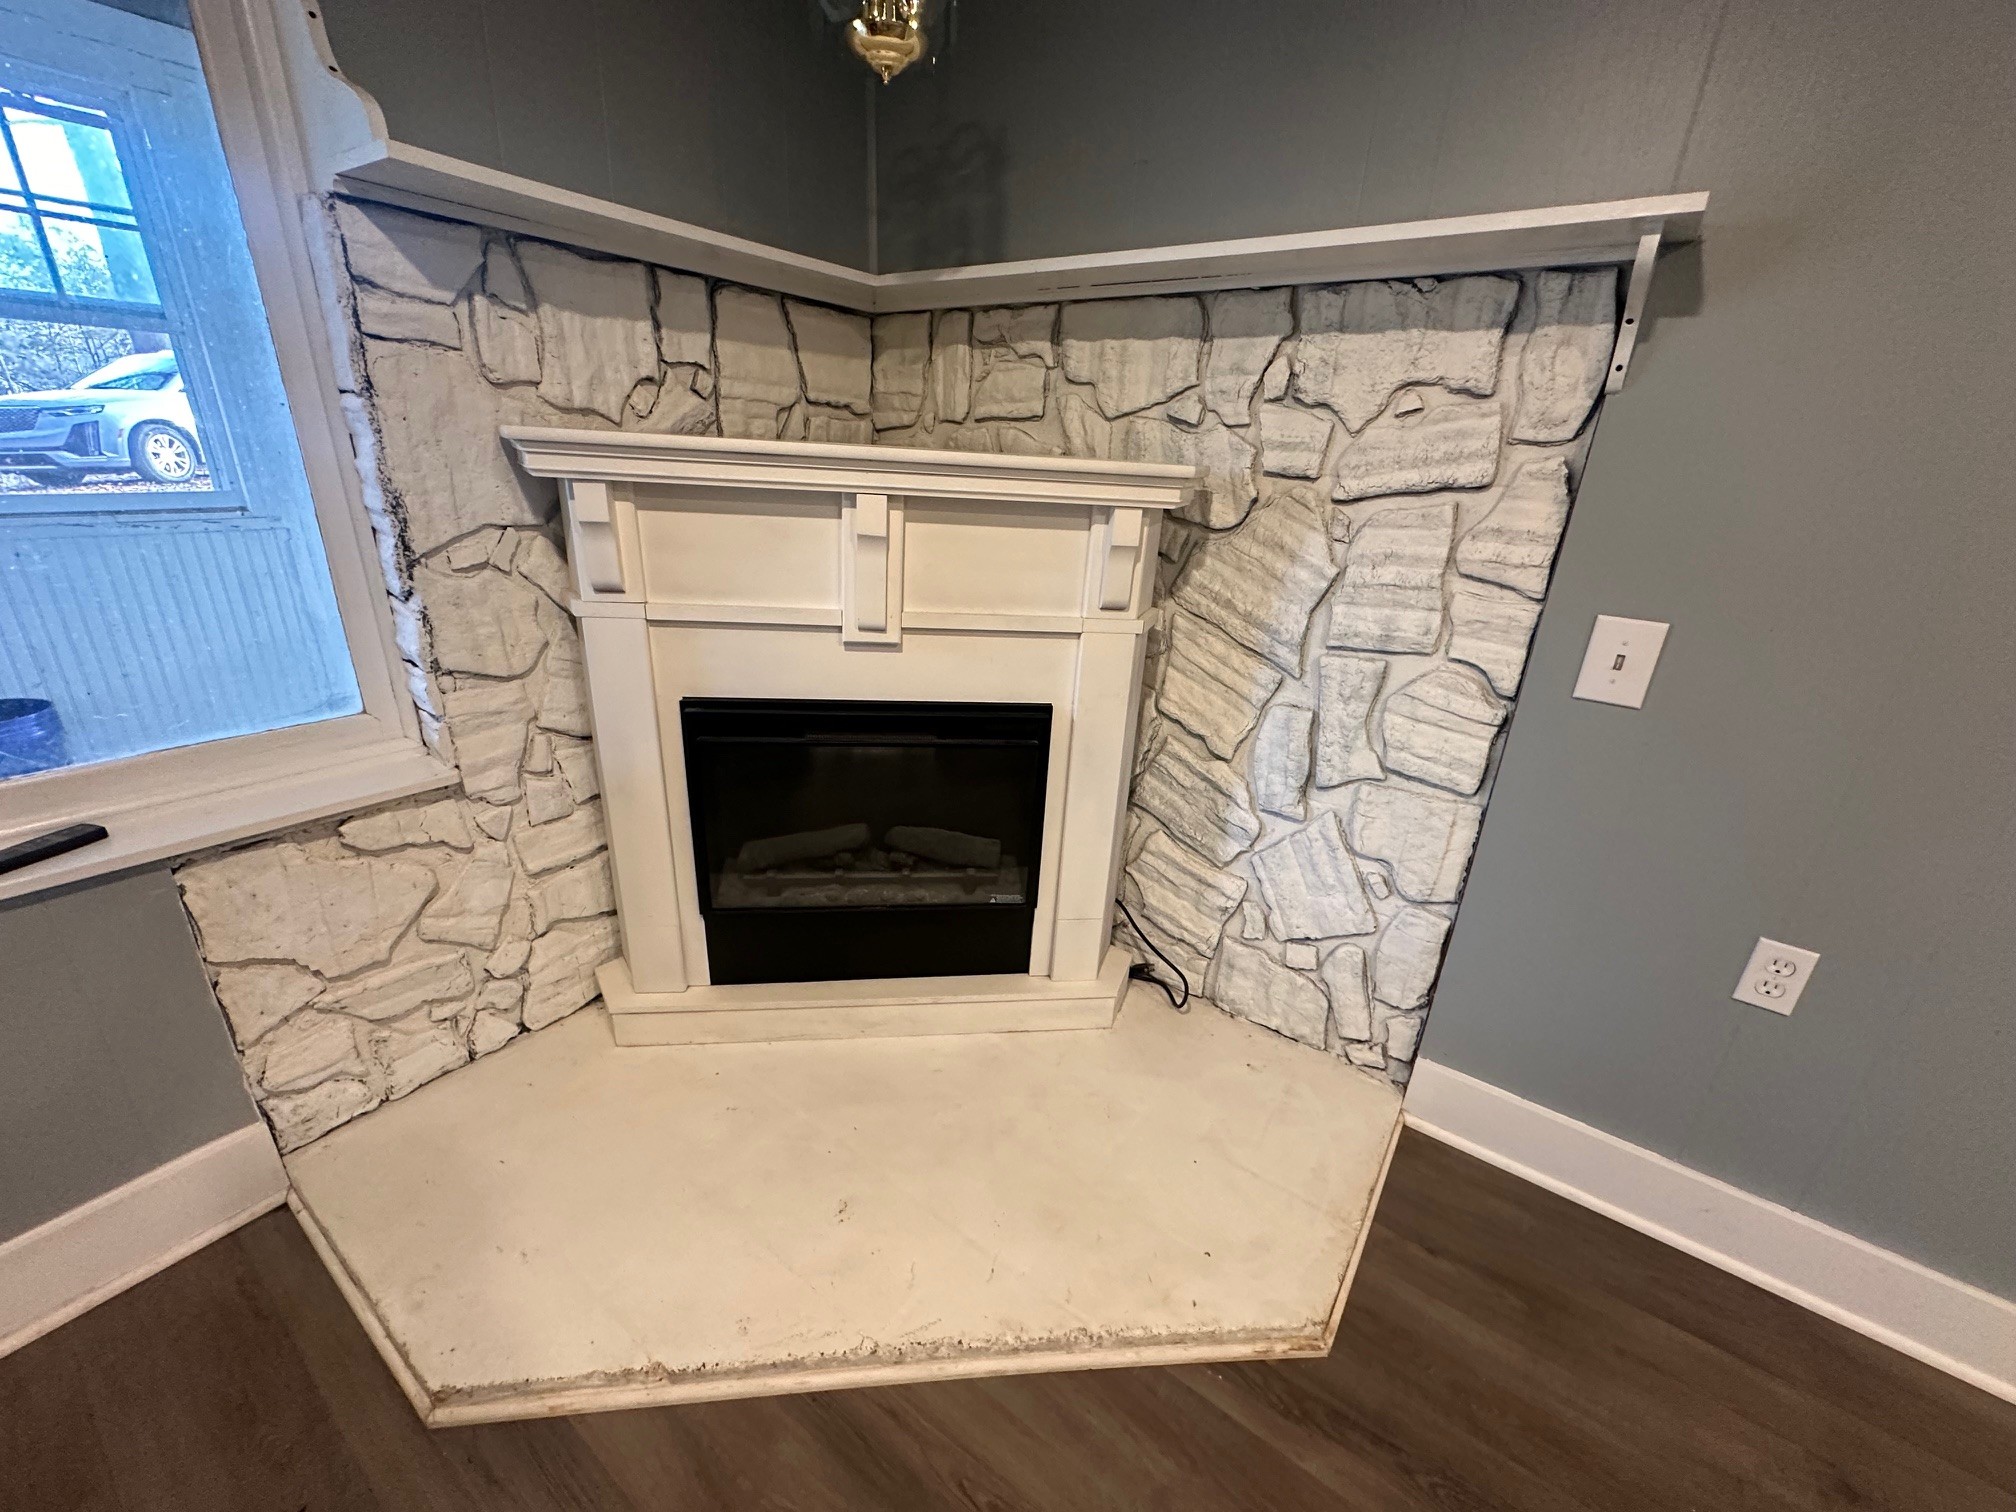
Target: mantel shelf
x=353 y=152
x=726 y=462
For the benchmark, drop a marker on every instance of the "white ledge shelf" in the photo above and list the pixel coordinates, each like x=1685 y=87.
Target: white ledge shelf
x=353 y=152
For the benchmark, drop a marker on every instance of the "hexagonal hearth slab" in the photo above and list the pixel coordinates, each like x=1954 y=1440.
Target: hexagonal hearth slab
x=569 y=1226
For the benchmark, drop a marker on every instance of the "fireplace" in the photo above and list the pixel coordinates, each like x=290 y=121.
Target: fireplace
x=864 y=720
x=839 y=840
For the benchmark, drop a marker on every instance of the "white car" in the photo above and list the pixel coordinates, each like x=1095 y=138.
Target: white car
x=131 y=416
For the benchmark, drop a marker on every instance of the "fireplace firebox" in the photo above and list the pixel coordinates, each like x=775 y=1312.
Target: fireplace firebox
x=842 y=840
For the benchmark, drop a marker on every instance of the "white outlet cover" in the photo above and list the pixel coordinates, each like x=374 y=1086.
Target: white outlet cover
x=1775 y=976
x=1617 y=667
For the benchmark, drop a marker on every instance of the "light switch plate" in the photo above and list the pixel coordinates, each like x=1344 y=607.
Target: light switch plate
x=1617 y=667
x=1775 y=976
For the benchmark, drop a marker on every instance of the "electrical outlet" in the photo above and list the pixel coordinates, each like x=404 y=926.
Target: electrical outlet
x=1776 y=976
x=1617 y=667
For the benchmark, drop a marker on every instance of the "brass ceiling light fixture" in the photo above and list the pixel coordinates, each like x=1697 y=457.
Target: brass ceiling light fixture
x=888 y=35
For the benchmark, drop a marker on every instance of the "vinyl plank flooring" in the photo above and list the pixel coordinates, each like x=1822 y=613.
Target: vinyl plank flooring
x=1503 y=1350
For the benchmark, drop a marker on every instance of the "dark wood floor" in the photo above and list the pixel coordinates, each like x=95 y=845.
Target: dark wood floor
x=1503 y=1349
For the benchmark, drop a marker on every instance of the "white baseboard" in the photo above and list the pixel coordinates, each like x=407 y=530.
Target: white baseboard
x=78 y=1259
x=1960 y=1329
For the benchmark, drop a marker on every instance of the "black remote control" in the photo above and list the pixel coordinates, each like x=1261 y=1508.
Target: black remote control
x=50 y=843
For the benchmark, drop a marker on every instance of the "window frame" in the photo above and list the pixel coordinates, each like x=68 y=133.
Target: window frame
x=189 y=798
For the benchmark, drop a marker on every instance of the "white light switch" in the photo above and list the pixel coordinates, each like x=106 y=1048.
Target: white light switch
x=1617 y=668
x=1775 y=976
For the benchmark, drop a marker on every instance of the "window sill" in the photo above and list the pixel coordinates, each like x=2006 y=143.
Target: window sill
x=157 y=807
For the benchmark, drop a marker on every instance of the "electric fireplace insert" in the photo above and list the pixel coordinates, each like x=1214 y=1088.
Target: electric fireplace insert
x=844 y=840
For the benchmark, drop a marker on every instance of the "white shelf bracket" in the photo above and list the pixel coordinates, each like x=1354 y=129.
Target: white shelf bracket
x=871 y=570
x=1634 y=311
x=598 y=558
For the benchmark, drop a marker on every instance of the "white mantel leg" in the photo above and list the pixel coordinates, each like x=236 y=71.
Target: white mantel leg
x=624 y=706
x=1102 y=737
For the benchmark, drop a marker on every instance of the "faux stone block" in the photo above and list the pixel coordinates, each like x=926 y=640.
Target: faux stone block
x=491 y=1029
x=1247 y=329
x=581 y=891
x=436 y=433
x=1514 y=544
x=560 y=973
x=1213 y=686
x=281 y=903
x=308 y=1048
x=1008 y=387
x=1199 y=801
x=1490 y=628
x=1181 y=895
x=506 y=342
x=1279 y=762
x=1261 y=583
x=596 y=340
x=255 y=998
x=547 y=847
x=837 y=426
x=685 y=329
x=1567 y=354
x=547 y=798
x=563 y=694
x=952 y=364
x=301 y=1117
x=1360 y=343
x=1134 y=352
x=418 y=256
x=488 y=722
x=484 y=622
x=539 y=562
x=1254 y=986
x=1445 y=446
x=1346 y=686
x=1400 y=1033
x=757 y=377
x=393 y=317
x=833 y=355
x=1439 y=728
x=408 y=1059
x=1292 y=441
x=1087 y=433
x=399 y=989
x=1408 y=957
x=576 y=761
x=1026 y=330
x=1312 y=889
x=1390 y=597
x=1426 y=838
x=1344 y=978
x=444 y=822
x=470 y=906
x=902 y=352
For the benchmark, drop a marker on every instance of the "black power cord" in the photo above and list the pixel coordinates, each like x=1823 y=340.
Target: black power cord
x=1141 y=973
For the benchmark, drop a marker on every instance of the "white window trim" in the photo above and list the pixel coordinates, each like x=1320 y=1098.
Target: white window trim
x=174 y=802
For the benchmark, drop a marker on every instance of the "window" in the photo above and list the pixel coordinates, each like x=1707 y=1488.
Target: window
x=189 y=615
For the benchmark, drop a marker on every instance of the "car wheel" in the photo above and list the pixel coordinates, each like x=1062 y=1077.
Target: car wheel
x=161 y=453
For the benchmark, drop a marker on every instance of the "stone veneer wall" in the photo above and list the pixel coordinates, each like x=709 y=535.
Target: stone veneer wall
x=1342 y=620
x=357 y=960
x=1342 y=624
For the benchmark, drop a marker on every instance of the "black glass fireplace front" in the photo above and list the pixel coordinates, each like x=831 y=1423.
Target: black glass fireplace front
x=839 y=840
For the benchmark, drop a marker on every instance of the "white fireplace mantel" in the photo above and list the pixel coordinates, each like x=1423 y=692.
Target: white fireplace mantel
x=708 y=567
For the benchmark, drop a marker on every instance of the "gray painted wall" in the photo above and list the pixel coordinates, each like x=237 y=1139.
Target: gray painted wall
x=1050 y=127
x=113 y=1056
x=748 y=118
x=1809 y=475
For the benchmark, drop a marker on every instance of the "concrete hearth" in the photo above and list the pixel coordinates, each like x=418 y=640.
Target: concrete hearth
x=570 y=1227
